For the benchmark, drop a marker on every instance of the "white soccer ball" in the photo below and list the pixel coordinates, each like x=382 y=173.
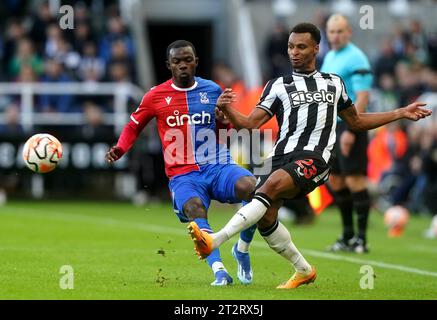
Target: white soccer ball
x=396 y=218
x=42 y=152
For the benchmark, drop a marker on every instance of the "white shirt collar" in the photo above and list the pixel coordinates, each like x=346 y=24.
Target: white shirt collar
x=305 y=74
x=184 y=89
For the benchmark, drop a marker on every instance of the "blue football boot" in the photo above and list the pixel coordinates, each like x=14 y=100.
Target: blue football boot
x=244 y=272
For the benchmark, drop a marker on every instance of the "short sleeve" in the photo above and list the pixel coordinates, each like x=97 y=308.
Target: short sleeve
x=360 y=73
x=145 y=111
x=361 y=80
x=269 y=100
x=344 y=101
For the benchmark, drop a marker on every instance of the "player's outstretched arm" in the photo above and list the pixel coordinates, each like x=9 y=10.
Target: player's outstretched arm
x=366 y=121
x=127 y=138
x=255 y=119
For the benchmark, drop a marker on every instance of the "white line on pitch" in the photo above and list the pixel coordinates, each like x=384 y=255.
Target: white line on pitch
x=64 y=216
x=331 y=256
x=384 y=265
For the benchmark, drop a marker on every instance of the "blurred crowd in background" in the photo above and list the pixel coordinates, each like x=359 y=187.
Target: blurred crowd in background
x=402 y=156
x=33 y=48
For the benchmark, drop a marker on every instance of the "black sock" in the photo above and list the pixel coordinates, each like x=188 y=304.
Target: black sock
x=362 y=206
x=343 y=200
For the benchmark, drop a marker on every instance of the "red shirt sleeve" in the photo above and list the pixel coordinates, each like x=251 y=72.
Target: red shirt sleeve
x=138 y=120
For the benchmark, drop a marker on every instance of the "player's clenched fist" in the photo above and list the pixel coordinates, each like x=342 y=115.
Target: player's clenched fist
x=113 y=154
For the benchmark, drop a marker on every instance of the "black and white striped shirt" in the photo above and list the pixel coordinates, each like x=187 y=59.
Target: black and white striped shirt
x=306 y=107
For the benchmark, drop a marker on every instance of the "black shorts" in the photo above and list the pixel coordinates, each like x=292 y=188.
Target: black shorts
x=356 y=162
x=307 y=169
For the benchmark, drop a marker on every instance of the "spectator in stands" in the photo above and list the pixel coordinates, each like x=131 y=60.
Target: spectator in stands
x=411 y=55
x=81 y=13
x=320 y=19
x=419 y=41
x=406 y=168
x=82 y=35
x=387 y=96
x=408 y=77
x=413 y=175
x=398 y=41
x=276 y=51
x=119 y=55
x=54 y=37
x=65 y=55
x=225 y=77
x=423 y=193
x=432 y=50
x=27 y=74
x=91 y=70
x=12 y=126
x=16 y=8
x=118 y=72
x=94 y=127
x=14 y=31
x=116 y=32
x=55 y=103
x=25 y=55
x=91 y=67
x=40 y=22
x=386 y=61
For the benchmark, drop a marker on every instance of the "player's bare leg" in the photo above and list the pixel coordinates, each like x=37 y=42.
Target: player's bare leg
x=276 y=184
x=279 y=185
x=244 y=188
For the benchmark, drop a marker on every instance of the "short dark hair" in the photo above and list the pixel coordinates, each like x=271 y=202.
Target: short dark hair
x=180 y=44
x=306 y=27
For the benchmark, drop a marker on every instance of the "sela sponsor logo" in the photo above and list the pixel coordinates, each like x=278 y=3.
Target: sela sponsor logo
x=302 y=97
x=178 y=119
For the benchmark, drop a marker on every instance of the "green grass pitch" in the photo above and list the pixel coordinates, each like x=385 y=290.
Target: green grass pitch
x=118 y=251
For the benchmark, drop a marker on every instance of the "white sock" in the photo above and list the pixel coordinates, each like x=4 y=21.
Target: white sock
x=243 y=246
x=280 y=241
x=218 y=266
x=243 y=219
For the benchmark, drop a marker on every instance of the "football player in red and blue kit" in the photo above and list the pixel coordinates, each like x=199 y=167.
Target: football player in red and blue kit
x=198 y=166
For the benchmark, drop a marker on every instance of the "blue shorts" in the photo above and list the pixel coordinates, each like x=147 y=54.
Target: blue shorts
x=213 y=181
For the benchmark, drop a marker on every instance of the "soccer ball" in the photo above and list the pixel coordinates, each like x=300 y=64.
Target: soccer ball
x=42 y=152
x=396 y=218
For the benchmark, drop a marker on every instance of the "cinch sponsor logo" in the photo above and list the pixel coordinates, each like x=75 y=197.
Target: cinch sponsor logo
x=301 y=97
x=196 y=118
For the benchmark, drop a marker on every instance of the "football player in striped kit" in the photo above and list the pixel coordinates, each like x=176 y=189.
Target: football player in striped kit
x=306 y=104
